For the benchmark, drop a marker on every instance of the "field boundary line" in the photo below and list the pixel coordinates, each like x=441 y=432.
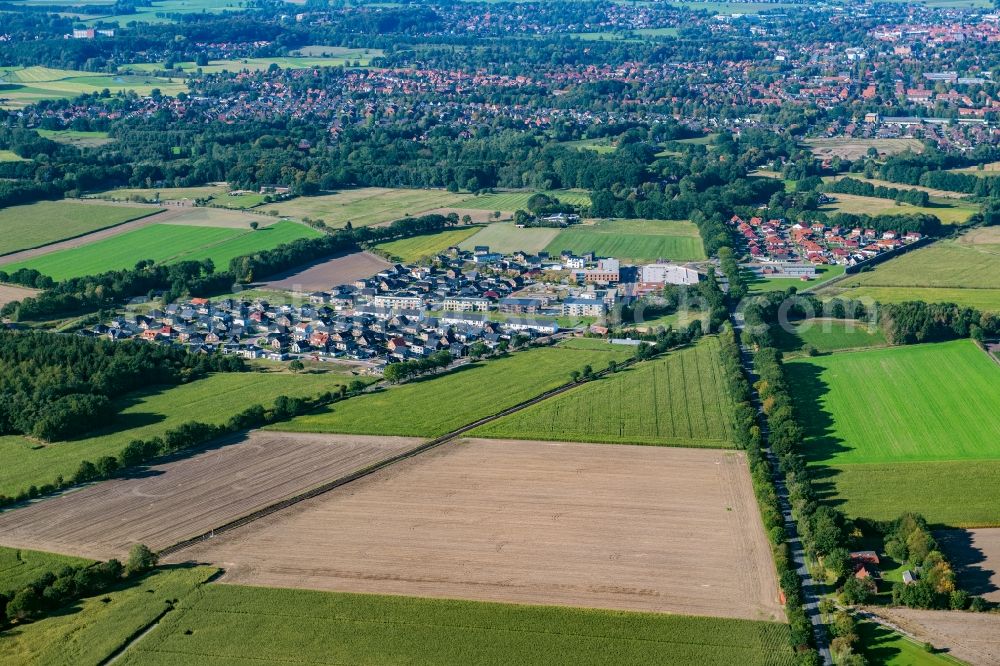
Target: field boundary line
x=375 y=467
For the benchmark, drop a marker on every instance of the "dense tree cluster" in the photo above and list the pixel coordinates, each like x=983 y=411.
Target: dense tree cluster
x=52 y=591
x=55 y=386
x=915 y=321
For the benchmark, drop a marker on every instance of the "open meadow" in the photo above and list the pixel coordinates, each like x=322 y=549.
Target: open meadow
x=436 y=405
x=365 y=206
x=181 y=498
x=985 y=169
x=164 y=244
x=828 y=335
x=509 y=201
x=823 y=274
x=912 y=428
x=20 y=567
x=948 y=210
x=231 y=624
x=45 y=222
x=633 y=240
x=150 y=413
x=415 y=248
x=92 y=630
x=504 y=237
x=677 y=400
x=153 y=194
x=915 y=403
x=22 y=86
x=965 y=271
x=625 y=528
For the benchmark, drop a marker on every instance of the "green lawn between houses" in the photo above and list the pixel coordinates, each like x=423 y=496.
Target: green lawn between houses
x=45 y=222
x=230 y=624
x=435 y=405
x=677 y=400
x=150 y=413
x=904 y=429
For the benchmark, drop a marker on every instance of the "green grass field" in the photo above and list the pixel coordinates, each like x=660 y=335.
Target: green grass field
x=823 y=274
x=633 y=240
x=678 y=400
x=504 y=237
x=365 y=206
x=229 y=624
x=988 y=169
x=956 y=271
x=512 y=201
x=76 y=138
x=164 y=243
x=147 y=414
x=953 y=494
x=916 y=403
x=10 y=156
x=413 y=249
x=949 y=211
x=163 y=11
x=45 y=222
x=904 y=429
x=436 y=405
x=829 y=335
x=731 y=7
x=19 y=567
x=90 y=631
x=28 y=85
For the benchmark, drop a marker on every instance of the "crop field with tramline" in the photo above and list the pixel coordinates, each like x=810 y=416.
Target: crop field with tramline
x=437 y=405
x=421 y=247
x=233 y=624
x=506 y=238
x=678 y=400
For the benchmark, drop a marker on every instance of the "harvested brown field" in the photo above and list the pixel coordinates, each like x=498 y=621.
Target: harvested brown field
x=619 y=527
x=976 y=557
x=329 y=272
x=180 y=499
x=10 y=293
x=972 y=637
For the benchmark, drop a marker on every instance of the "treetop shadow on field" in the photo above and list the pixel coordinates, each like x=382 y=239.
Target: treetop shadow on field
x=821 y=444
x=968 y=561
x=877 y=641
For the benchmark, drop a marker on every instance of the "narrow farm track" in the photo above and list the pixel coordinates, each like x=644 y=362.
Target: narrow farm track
x=371 y=469
x=810 y=588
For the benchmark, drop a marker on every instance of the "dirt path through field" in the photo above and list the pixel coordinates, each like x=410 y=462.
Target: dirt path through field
x=603 y=526
x=156 y=218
